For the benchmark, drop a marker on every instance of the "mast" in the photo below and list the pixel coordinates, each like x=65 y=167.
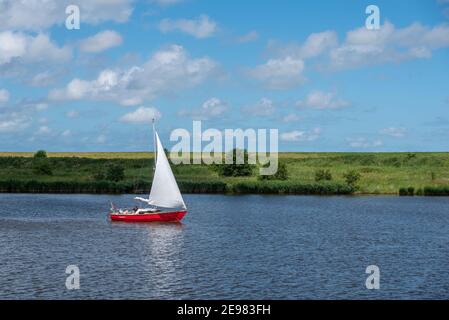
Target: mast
x=154 y=147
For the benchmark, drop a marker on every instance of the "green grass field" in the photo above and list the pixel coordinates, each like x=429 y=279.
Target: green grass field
x=381 y=173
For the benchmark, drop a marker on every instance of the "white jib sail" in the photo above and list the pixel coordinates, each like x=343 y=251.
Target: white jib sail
x=164 y=190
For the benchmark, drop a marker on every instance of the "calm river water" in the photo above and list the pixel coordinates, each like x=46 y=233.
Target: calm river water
x=228 y=247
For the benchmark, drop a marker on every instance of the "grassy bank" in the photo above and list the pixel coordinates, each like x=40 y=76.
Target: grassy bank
x=380 y=173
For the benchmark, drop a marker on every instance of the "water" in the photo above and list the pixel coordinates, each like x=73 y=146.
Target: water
x=228 y=247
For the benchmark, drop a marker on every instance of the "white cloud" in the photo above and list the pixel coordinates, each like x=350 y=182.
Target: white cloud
x=13 y=122
x=318 y=43
x=45 y=78
x=4 y=96
x=201 y=27
x=281 y=73
x=43 y=130
x=249 y=37
x=211 y=108
x=394 y=132
x=141 y=115
x=167 y=71
x=296 y=135
x=101 y=41
x=38 y=15
x=167 y=2
x=364 y=143
x=263 y=108
x=315 y=45
x=388 y=44
x=30 y=49
x=72 y=114
x=323 y=100
x=291 y=118
x=66 y=133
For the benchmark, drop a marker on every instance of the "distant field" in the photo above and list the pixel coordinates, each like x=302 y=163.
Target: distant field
x=381 y=173
x=90 y=155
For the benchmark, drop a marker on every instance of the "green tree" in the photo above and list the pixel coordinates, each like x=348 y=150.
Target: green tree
x=40 y=154
x=115 y=173
x=323 y=175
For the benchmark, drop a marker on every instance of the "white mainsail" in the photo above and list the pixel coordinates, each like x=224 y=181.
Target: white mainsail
x=164 y=190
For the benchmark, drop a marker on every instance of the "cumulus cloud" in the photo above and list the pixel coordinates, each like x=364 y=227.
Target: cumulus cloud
x=388 y=44
x=283 y=73
x=394 y=132
x=38 y=15
x=167 y=2
x=14 y=122
x=141 y=115
x=45 y=78
x=316 y=44
x=4 y=95
x=362 y=47
x=43 y=130
x=323 y=100
x=201 y=27
x=168 y=70
x=297 y=135
x=23 y=48
x=66 y=133
x=211 y=108
x=101 y=41
x=364 y=143
x=249 y=37
x=263 y=108
x=72 y=114
x=291 y=117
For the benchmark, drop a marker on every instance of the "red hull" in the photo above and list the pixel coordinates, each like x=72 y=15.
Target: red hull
x=153 y=217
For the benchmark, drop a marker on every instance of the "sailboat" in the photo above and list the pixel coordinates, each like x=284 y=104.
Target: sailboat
x=165 y=202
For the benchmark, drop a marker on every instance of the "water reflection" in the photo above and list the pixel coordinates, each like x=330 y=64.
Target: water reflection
x=248 y=247
x=160 y=247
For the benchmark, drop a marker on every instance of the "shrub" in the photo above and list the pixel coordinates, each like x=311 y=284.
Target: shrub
x=436 y=191
x=115 y=172
x=323 y=175
x=42 y=168
x=281 y=173
x=352 y=177
x=284 y=187
x=40 y=154
x=99 y=176
x=236 y=170
x=410 y=191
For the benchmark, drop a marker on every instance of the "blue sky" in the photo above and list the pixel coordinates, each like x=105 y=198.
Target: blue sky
x=311 y=69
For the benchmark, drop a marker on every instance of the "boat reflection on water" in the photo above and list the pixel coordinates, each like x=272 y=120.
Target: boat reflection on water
x=160 y=252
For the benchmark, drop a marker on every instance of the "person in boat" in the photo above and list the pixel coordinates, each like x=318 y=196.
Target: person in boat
x=135 y=208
